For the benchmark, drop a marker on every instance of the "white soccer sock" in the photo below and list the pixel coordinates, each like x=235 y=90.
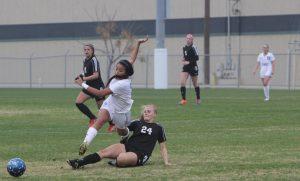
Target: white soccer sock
x=265 y=91
x=90 y=135
x=268 y=91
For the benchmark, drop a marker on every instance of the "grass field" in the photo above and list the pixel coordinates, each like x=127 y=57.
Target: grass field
x=233 y=135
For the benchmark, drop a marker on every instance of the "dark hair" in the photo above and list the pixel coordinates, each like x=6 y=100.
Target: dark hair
x=92 y=47
x=128 y=70
x=128 y=67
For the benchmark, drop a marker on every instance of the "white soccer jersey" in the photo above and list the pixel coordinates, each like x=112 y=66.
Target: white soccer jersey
x=265 y=62
x=120 y=100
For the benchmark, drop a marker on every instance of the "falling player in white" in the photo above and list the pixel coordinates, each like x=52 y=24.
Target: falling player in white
x=118 y=104
x=266 y=62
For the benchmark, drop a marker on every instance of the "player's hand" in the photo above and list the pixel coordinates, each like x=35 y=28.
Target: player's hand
x=185 y=62
x=79 y=81
x=143 y=40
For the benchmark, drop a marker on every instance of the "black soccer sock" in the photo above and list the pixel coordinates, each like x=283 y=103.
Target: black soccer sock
x=197 y=90
x=85 y=110
x=89 y=159
x=183 y=90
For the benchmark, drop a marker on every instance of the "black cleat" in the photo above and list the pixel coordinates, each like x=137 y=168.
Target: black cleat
x=74 y=164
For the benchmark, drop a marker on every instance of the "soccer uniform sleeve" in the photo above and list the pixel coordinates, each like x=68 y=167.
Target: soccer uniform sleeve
x=272 y=57
x=95 y=64
x=161 y=135
x=196 y=54
x=258 y=58
x=183 y=53
x=133 y=125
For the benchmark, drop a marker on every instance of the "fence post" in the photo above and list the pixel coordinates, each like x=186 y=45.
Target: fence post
x=30 y=70
x=239 y=71
x=289 y=69
x=65 y=76
x=147 y=69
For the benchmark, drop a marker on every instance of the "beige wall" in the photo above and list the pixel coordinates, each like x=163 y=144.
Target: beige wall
x=50 y=70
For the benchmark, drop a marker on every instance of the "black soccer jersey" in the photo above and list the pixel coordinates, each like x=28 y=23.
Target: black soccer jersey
x=89 y=67
x=145 y=135
x=190 y=54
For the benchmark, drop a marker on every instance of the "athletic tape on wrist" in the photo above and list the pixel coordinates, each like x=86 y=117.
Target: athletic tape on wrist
x=84 y=85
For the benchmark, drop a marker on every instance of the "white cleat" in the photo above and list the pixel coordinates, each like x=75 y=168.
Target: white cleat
x=267 y=99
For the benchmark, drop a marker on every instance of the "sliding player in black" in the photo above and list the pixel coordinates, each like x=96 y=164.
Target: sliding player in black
x=137 y=149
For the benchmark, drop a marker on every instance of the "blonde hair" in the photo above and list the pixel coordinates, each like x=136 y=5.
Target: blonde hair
x=148 y=105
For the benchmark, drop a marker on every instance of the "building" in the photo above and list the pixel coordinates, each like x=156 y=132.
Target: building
x=41 y=41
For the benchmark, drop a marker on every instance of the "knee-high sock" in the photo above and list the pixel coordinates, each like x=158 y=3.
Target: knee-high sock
x=197 y=90
x=89 y=159
x=182 y=90
x=85 y=110
x=268 y=91
x=265 y=91
x=90 y=135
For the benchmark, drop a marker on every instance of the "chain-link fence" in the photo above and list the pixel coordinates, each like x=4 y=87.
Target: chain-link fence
x=234 y=71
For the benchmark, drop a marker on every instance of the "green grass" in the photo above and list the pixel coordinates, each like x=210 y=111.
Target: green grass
x=233 y=135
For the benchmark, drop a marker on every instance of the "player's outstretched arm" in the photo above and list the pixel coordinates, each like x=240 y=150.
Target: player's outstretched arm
x=136 y=49
x=92 y=90
x=164 y=153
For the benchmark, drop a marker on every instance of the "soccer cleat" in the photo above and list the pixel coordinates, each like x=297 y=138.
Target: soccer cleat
x=92 y=122
x=113 y=163
x=74 y=163
x=182 y=102
x=111 y=128
x=267 y=99
x=83 y=148
x=198 y=101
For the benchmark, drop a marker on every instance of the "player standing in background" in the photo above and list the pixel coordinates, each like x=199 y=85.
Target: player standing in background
x=266 y=62
x=137 y=149
x=190 y=67
x=92 y=76
x=118 y=104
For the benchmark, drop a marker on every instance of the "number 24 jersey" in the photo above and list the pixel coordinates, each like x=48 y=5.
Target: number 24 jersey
x=145 y=135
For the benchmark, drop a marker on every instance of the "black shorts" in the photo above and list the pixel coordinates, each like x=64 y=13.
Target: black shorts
x=142 y=158
x=97 y=98
x=192 y=70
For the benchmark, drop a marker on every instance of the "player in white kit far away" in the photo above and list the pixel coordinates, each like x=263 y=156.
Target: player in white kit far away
x=266 y=62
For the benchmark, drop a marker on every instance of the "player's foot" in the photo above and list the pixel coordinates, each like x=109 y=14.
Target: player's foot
x=111 y=128
x=182 y=102
x=74 y=163
x=112 y=163
x=267 y=99
x=92 y=122
x=198 y=101
x=83 y=148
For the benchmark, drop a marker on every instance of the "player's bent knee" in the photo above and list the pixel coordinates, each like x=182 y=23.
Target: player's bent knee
x=125 y=160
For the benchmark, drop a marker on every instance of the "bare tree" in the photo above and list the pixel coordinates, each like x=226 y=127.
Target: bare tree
x=117 y=42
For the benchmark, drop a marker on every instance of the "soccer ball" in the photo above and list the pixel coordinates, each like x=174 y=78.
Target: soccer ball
x=16 y=167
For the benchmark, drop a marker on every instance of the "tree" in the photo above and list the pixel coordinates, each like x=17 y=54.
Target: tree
x=117 y=40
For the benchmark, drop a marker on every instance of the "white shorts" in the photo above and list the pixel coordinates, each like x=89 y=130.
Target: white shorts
x=265 y=73
x=121 y=120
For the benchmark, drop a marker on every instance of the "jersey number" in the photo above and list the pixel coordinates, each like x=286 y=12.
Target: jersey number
x=146 y=130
